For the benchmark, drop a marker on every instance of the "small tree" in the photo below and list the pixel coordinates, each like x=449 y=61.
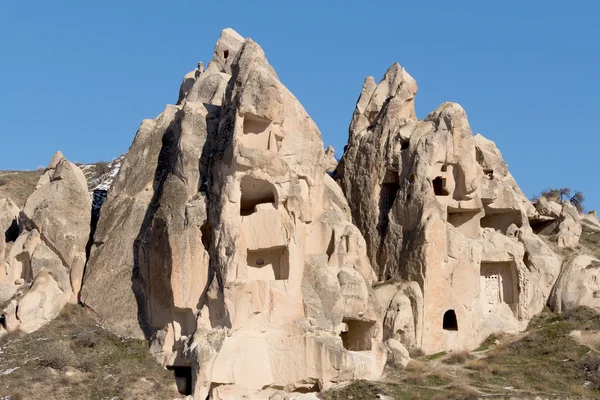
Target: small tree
x=577 y=200
x=559 y=195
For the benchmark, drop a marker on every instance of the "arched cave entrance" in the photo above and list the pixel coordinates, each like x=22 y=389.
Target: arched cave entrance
x=450 y=323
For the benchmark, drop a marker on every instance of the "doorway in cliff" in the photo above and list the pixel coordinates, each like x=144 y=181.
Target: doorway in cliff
x=387 y=196
x=439 y=186
x=356 y=335
x=450 y=323
x=183 y=379
x=270 y=264
x=255 y=192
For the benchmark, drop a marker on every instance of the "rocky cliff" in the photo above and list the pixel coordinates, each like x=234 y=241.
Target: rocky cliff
x=230 y=240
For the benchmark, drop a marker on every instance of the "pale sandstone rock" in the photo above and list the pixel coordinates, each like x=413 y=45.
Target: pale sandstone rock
x=9 y=217
x=153 y=228
x=224 y=240
x=59 y=209
x=577 y=285
x=40 y=305
x=399 y=355
x=225 y=51
x=591 y=221
x=548 y=208
x=270 y=169
x=32 y=305
x=569 y=230
x=331 y=162
x=188 y=82
x=17 y=264
x=44 y=259
x=439 y=209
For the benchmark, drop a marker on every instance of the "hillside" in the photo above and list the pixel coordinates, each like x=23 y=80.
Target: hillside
x=228 y=256
x=557 y=357
x=74 y=358
x=18 y=185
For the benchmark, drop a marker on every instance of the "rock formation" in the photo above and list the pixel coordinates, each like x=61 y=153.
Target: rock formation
x=591 y=220
x=223 y=239
x=43 y=268
x=225 y=242
x=9 y=225
x=59 y=209
x=577 y=285
x=569 y=229
x=562 y=220
x=438 y=207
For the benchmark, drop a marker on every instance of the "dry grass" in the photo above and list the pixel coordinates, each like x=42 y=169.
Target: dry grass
x=18 y=185
x=457 y=357
x=545 y=362
x=590 y=239
x=72 y=358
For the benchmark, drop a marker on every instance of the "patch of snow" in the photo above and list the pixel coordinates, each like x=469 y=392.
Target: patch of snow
x=9 y=371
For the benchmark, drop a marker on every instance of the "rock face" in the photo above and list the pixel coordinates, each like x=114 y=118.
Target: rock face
x=439 y=208
x=44 y=265
x=59 y=209
x=577 y=285
x=9 y=224
x=560 y=219
x=569 y=229
x=591 y=220
x=223 y=239
x=225 y=242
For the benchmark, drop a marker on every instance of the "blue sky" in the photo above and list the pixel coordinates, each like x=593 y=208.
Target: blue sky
x=80 y=76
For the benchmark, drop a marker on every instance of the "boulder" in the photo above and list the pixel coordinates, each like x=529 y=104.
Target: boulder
x=398 y=354
x=40 y=305
x=9 y=225
x=331 y=162
x=591 y=221
x=17 y=265
x=60 y=210
x=578 y=284
x=548 y=208
x=569 y=229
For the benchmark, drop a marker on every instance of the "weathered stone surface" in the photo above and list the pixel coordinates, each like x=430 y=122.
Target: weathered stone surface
x=9 y=225
x=225 y=242
x=399 y=355
x=188 y=82
x=569 y=229
x=548 y=208
x=331 y=162
x=44 y=259
x=17 y=265
x=40 y=305
x=577 y=285
x=305 y=283
x=148 y=255
x=59 y=209
x=439 y=208
x=591 y=220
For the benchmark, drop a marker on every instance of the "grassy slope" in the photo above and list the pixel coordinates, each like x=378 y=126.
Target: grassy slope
x=544 y=361
x=18 y=185
x=73 y=358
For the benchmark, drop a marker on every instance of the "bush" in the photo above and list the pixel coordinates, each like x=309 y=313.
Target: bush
x=56 y=361
x=560 y=195
x=457 y=357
